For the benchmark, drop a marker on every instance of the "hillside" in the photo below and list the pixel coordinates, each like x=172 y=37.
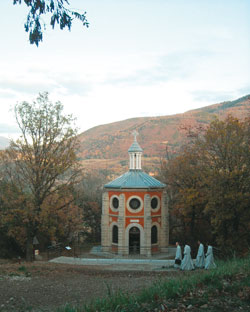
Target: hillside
x=4 y=142
x=105 y=147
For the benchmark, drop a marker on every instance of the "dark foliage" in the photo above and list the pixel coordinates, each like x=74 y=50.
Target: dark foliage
x=88 y=195
x=58 y=12
x=9 y=248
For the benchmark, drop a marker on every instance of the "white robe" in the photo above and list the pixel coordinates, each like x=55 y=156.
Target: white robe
x=178 y=255
x=200 y=259
x=209 y=261
x=187 y=262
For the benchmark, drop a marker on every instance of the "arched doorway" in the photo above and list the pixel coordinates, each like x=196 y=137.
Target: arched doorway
x=134 y=240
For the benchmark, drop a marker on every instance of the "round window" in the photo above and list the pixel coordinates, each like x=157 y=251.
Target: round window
x=115 y=202
x=134 y=203
x=154 y=203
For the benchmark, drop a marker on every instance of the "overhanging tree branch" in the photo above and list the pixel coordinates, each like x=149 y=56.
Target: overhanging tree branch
x=58 y=12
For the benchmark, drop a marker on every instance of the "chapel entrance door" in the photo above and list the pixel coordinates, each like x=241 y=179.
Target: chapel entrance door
x=134 y=240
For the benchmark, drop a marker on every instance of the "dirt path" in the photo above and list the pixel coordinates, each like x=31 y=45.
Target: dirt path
x=43 y=285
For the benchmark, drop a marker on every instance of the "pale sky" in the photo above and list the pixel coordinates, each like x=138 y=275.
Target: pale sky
x=137 y=58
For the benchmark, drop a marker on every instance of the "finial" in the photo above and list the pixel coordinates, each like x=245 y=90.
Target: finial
x=135 y=133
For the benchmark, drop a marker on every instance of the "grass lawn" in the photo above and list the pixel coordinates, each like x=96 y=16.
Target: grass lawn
x=226 y=288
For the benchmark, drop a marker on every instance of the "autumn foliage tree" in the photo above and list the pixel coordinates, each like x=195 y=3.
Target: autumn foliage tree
x=225 y=159
x=38 y=173
x=88 y=194
x=186 y=197
x=210 y=183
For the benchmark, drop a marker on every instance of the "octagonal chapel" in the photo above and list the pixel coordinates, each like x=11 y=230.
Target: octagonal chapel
x=134 y=211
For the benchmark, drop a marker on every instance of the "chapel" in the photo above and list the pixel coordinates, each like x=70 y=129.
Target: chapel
x=135 y=211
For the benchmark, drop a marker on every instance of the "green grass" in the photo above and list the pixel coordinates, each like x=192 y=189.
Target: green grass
x=24 y=270
x=198 y=287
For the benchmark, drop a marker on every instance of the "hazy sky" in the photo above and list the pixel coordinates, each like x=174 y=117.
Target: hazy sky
x=137 y=58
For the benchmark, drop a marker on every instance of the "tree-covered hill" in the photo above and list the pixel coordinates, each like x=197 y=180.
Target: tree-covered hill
x=105 y=146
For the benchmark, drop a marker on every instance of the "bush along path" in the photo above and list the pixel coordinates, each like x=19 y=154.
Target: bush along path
x=226 y=288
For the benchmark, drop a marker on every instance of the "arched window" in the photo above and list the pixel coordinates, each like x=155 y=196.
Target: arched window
x=115 y=202
x=115 y=234
x=154 y=202
x=154 y=234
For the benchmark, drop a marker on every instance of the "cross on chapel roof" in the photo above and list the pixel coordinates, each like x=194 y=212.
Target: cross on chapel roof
x=135 y=133
x=135 y=147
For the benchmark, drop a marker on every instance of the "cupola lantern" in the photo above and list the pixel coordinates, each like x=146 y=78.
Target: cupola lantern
x=135 y=153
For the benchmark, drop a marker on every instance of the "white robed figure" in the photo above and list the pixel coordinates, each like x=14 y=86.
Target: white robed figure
x=187 y=262
x=178 y=255
x=200 y=258
x=209 y=261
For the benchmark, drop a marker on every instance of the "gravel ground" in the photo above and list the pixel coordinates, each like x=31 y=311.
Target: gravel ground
x=44 y=286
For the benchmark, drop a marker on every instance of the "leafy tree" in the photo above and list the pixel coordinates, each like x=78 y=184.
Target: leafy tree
x=8 y=245
x=186 y=198
x=209 y=184
x=89 y=199
x=59 y=14
x=224 y=156
x=40 y=170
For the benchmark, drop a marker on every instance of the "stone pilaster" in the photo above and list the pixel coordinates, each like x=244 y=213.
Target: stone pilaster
x=164 y=237
x=122 y=249
x=105 y=231
x=146 y=249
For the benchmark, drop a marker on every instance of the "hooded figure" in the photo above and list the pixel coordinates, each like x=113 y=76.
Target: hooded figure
x=209 y=261
x=200 y=259
x=187 y=262
x=178 y=256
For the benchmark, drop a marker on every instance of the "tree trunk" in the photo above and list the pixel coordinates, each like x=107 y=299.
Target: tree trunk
x=29 y=248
